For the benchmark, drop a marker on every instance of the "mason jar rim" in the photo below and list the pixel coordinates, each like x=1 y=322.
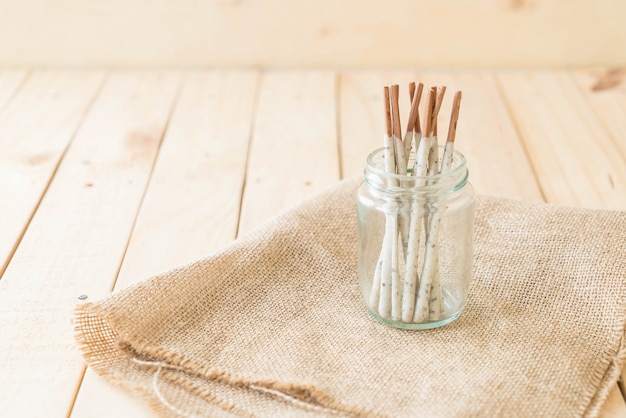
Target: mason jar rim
x=449 y=181
x=458 y=158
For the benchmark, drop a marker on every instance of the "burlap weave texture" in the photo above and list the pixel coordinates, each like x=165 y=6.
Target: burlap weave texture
x=274 y=324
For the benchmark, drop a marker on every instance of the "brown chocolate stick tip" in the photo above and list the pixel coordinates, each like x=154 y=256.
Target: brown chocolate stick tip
x=430 y=104
x=411 y=90
x=387 y=113
x=441 y=91
x=418 y=93
x=395 y=111
x=413 y=121
x=454 y=116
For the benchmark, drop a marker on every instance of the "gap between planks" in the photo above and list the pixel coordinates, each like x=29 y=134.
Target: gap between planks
x=59 y=101
x=278 y=95
x=189 y=208
x=75 y=238
x=575 y=160
x=485 y=132
x=339 y=128
x=294 y=148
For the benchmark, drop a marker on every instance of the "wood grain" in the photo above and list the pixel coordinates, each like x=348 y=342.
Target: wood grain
x=575 y=160
x=131 y=191
x=485 y=133
x=294 y=144
x=605 y=90
x=362 y=117
x=35 y=129
x=76 y=240
x=192 y=205
x=497 y=160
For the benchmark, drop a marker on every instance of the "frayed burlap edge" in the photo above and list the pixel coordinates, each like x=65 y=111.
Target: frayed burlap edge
x=120 y=352
x=89 y=317
x=610 y=377
x=106 y=366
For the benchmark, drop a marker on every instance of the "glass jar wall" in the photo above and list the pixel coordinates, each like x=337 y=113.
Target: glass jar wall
x=415 y=244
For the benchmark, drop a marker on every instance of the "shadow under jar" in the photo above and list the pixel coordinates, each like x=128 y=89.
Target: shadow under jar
x=415 y=247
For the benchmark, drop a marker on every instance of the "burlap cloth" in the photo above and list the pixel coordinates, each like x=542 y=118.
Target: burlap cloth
x=274 y=324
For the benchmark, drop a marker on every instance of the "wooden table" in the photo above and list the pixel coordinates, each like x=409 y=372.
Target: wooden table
x=107 y=178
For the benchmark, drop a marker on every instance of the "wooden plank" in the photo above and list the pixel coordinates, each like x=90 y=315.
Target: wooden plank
x=558 y=127
x=575 y=160
x=310 y=98
x=191 y=206
x=294 y=143
x=485 y=134
x=98 y=398
x=614 y=406
x=362 y=117
x=605 y=90
x=10 y=82
x=76 y=240
x=35 y=130
x=328 y=33
x=195 y=190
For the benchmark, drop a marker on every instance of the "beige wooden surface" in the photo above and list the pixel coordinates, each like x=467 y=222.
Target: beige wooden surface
x=147 y=170
x=322 y=33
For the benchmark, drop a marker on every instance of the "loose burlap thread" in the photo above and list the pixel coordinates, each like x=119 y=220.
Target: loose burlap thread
x=274 y=323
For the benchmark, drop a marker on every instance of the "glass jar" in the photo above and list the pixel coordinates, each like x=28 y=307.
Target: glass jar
x=415 y=243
